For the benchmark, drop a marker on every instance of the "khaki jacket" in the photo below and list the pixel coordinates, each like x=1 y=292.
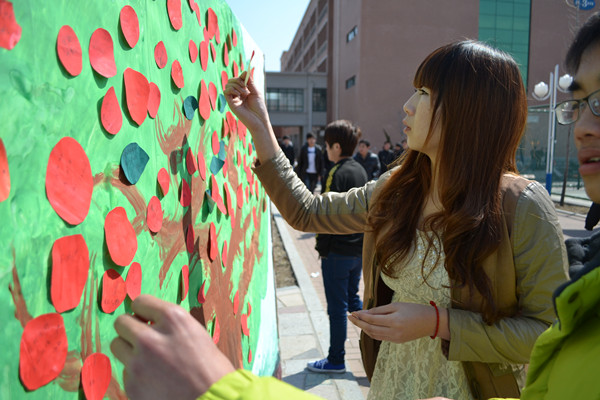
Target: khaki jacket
x=529 y=264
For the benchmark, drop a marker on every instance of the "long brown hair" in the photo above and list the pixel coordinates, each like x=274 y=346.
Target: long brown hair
x=480 y=104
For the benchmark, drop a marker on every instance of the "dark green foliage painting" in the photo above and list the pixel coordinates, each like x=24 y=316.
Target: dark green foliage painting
x=122 y=171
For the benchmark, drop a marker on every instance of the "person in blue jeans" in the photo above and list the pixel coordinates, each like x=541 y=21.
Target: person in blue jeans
x=341 y=255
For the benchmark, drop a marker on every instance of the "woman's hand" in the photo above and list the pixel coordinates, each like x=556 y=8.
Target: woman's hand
x=248 y=104
x=401 y=322
x=166 y=352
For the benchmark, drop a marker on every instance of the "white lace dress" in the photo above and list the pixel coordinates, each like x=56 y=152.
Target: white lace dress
x=418 y=369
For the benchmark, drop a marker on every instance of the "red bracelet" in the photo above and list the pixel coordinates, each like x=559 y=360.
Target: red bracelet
x=437 y=319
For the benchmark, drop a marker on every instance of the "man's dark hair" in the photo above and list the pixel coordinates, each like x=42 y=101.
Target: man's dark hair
x=345 y=133
x=309 y=135
x=588 y=35
x=286 y=137
x=365 y=142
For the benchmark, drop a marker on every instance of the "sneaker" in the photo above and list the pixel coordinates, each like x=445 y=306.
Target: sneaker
x=325 y=367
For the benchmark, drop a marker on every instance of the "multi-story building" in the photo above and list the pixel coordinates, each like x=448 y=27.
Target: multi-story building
x=370 y=51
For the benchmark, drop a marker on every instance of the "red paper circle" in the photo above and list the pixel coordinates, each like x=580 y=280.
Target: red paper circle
x=204 y=102
x=236 y=70
x=153 y=100
x=137 y=93
x=154 y=215
x=110 y=114
x=225 y=56
x=133 y=283
x=213 y=51
x=120 y=237
x=4 y=173
x=101 y=53
x=114 y=291
x=204 y=55
x=70 y=266
x=185 y=281
x=186 y=194
x=10 y=31
x=224 y=79
x=213 y=23
x=69 y=182
x=163 y=181
x=213 y=249
x=201 y=295
x=224 y=254
x=95 y=376
x=244 y=321
x=130 y=25
x=190 y=162
x=193 y=49
x=69 y=50
x=160 y=55
x=189 y=239
x=236 y=302
x=212 y=94
x=43 y=352
x=177 y=74
x=201 y=166
x=240 y=196
x=215 y=144
x=174 y=10
x=233 y=37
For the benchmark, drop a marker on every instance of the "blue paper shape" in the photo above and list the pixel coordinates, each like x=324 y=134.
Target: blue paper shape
x=209 y=200
x=215 y=165
x=221 y=102
x=133 y=162
x=222 y=154
x=190 y=105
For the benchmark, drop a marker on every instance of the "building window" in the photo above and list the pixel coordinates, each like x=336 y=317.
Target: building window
x=353 y=32
x=285 y=100
x=350 y=82
x=504 y=24
x=319 y=98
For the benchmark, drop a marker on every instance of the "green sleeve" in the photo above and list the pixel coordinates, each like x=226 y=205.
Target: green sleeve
x=243 y=385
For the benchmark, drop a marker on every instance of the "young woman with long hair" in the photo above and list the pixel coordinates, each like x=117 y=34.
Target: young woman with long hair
x=458 y=248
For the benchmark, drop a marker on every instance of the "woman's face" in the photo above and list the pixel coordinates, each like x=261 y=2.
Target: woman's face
x=419 y=111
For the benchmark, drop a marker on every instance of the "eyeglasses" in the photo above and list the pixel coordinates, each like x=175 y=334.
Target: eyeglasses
x=569 y=111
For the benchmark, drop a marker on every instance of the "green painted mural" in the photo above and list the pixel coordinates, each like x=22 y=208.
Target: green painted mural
x=122 y=171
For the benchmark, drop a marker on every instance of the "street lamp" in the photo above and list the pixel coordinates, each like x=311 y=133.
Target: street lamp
x=542 y=91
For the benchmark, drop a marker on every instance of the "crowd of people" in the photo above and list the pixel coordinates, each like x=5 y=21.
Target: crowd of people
x=464 y=263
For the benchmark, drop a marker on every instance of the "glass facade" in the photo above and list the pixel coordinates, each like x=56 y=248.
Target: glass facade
x=285 y=100
x=319 y=100
x=504 y=24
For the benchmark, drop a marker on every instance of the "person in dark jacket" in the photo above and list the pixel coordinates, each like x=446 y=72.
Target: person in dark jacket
x=386 y=156
x=341 y=255
x=310 y=162
x=368 y=160
x=288 y=149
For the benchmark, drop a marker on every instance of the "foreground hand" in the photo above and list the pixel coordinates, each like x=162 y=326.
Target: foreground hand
x=398 y=322
x=173 y=357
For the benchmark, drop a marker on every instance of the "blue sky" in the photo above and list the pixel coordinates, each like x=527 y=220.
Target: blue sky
x=271 y=23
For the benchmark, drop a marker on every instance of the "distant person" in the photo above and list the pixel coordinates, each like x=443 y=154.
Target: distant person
x=592 y=217
x=386 y=156
x=310 y=162
x=288 y=149
x=368 y=160
x=341 y=255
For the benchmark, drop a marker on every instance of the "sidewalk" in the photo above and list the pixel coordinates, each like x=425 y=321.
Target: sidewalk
x=304 y=325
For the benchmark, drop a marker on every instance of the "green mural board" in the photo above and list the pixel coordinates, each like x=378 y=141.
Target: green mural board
x=103 y=195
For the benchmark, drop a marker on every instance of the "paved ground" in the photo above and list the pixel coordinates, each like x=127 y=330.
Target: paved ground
x=304 y=326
